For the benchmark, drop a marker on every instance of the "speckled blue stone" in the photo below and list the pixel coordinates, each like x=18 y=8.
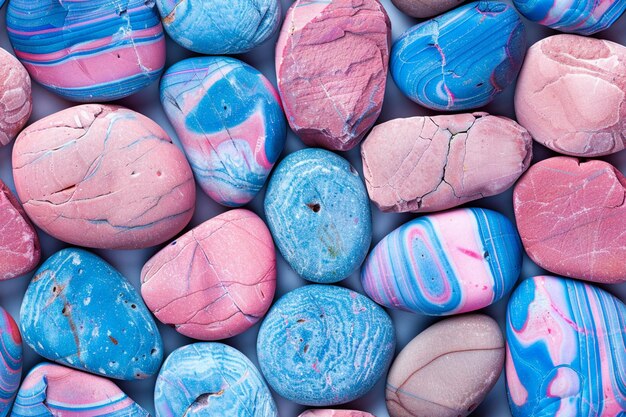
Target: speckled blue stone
x=318 y=211
x=324 y=345
x=462 y=59
x=211 y=379
x=80 y=312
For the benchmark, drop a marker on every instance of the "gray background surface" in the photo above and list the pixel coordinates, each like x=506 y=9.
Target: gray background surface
x=408 y=325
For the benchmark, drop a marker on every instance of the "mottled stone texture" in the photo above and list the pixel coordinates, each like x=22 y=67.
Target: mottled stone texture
x=425 y=8
x=15 y=97
x=571 y=217
x=571 y=95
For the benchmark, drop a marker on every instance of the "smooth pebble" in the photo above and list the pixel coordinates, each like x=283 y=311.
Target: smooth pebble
x=425 y=8
x=335 y=413
x=16 y=103
x=12 y=358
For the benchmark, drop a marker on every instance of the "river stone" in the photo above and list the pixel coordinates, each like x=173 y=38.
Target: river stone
x=425 y=8
x=12 y=358
x=335 y=413
x=16 y=102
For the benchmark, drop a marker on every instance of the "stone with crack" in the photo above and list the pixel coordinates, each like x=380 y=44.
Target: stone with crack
x=88 y=51
x=331 y=65
x=335 y=413
x=422 y=164
x=447 y=370
x=425 y=8
x=81 y=312
x=211 y=379
x=103 y=177
x=229 y=120
x=16 y=102
x=12 y=358
x=571 y=216
x=216 y=280
x=571 y=95
x=462 y=59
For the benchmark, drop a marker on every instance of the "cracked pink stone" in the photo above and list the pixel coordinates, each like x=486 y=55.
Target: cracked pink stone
x=215 y=281
x=15 y=97
x=19 y=244
x=331 y=66
x=571 y=95
x=103 y=177
x=335 y=413
x=423 y=164
x=571 y=216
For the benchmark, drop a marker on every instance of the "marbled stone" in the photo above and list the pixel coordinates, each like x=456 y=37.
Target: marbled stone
x=571 y=95
x=462 y=59
x=229 y=120
x=422 y=164
x=103 y=177
x=220 y=26
x=216 y=280
x=211 y=379
x=54 y=390
x=80 y=312
x=318 y=211
x=425 y=8
x=324 y=345
x=331 y=65
x=571 y=216
x=19 y=244
x=335 y=413
x=16 y=102
x=447 y=370
x=446 y=263
x=565 y=350
x=11 y=366
x=88 y=51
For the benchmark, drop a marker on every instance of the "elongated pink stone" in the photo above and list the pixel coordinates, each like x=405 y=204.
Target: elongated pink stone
x=15 y=97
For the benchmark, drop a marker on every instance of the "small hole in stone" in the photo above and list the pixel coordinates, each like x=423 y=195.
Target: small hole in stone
x=153 y=351
x=314 y=206
x=66 y=310
x=54 y=289
x=225 y=108
x=306 y=348
x=133 y=306
x=479 y=85
x=119 y=56
x=486 y=255
x=301 y=321
x=174 y=243
x=158 y=173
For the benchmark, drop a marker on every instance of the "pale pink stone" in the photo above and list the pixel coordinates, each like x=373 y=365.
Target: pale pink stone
x=216 y=280
x=425 y=8
x=335 y=413
x=423 y=164
x=15 y=97
x=571 y=95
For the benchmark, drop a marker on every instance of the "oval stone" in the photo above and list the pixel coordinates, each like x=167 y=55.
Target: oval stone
x=575 y=225
x=11 y=355
x=318 y=211
x=565 y=349
x=211 y=379
x=229 y=120
x=571 y=95
x=335 y=413
x=15 y=97
x=79 y=311
x=436 y=63
x=425 y=8
x=103 y=177
x=216 y=280
x=422 y=164
x=447 y=370
x=56 y=390
x=447 y=263
x=221 y=26
x=324 y=345
x=19 y=244
x=331 y=66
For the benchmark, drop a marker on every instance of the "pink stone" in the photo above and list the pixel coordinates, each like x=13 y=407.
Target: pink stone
x=571 y=216
x=571 y=95
x=19 y=244
x=425 y=8
x=216 y=280
x=423 y=164
x=335 y=413
x=15 y=97
x=331 y=66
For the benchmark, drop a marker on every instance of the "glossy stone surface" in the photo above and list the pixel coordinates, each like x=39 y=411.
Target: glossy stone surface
x=425 y=8
x=335 y=413
x=447 y=370
x=436 y=63
x=447 y=263
x=11 y=366
x=15 y=97
x=331 y=67
x=574 y=227
x=422 y=164
x=324 y=345
x=19 y=244
x=216 y=280
x=79 y=311
x=88 y=51
x=571 y=95
x=211 y=379
x=54 y=390
x=565 y=350
x=318 y=211
x=220 y=26
x=229 y=120
x=103 y=177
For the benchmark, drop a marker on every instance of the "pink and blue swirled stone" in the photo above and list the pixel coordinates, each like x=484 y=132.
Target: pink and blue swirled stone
x=87 y=51
x=462 y=59
x=11 y=367
x=229 y=120
x=566 y=350
x=446 y=263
